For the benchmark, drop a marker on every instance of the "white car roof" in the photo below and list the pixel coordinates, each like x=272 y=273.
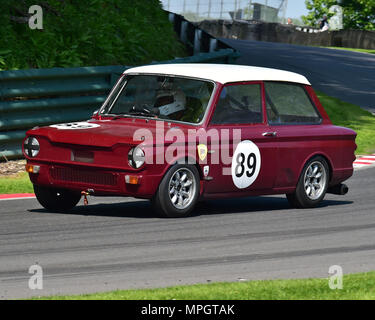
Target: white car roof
x=223 y=73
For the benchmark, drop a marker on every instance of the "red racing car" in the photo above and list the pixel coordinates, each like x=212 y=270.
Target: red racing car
x=178 y=133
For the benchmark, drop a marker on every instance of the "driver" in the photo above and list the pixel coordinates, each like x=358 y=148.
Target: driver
x=171 y=103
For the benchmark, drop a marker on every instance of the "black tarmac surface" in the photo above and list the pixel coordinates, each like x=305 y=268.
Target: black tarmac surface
x=117 y=243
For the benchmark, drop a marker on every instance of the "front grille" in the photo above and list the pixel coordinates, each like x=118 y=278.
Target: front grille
x=83 y=176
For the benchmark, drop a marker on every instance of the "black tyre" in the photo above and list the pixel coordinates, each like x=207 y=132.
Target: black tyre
x=56 y=200
x=312 y=184
x=178 y=192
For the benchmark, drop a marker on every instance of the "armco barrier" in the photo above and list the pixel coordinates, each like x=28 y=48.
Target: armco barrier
x=38 y=97
x=276 y=32
x=195 y=39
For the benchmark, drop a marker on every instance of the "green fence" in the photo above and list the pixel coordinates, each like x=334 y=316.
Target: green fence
x=39 y=97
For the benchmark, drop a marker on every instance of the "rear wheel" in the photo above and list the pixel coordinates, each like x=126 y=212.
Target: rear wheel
x=312 y=184
x=57 y=200
x=178 y=192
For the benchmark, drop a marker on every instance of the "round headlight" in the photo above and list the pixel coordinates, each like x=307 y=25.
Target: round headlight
x=136 y=157
x=31 y=147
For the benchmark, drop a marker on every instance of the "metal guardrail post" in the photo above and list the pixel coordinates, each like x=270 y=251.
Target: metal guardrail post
x=213 y=44
x=202 y=41
x=197 y=41
x=183 y=34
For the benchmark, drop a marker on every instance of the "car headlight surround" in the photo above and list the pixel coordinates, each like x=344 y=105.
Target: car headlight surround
x=136 y=157
x=31 y=147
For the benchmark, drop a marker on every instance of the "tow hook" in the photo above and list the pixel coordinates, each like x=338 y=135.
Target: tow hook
x=85 y=193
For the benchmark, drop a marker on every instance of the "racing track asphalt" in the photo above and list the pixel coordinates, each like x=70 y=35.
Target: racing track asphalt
x=347 y=75
x=117 y=243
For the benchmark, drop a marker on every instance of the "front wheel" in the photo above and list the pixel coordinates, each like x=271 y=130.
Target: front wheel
x=178 y=192
x=56 y=200
x=312 y=184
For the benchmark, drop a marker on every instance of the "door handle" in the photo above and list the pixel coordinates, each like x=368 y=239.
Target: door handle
x=269 y=134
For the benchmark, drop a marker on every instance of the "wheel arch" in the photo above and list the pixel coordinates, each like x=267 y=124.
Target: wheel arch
x=318 y=154
x=184 y=160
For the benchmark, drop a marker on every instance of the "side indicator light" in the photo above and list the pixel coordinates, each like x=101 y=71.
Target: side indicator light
x=131 y=179
x=32 y=169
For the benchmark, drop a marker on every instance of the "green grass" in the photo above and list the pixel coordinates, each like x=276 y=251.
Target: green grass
x=355 y=286
x=352 y=116
x=18 y=183
x=372 y=51
x=87 y=33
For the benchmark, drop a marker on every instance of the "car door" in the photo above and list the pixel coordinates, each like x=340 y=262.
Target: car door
x=242 y=152
x=296 y=122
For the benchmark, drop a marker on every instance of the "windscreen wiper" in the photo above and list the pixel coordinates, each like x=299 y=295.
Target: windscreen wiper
x=120 y=116
x=141 y=113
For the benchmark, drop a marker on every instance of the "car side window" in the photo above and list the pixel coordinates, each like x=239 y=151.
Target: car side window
x=289 y=103
x=240 y=103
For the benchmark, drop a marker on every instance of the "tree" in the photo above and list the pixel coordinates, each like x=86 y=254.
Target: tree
x=358 y=14
x=317 y=9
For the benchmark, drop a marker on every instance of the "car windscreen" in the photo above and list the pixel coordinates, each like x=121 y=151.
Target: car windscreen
x=163 y=97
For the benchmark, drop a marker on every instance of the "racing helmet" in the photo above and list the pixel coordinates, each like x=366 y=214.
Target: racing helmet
x=170 y=101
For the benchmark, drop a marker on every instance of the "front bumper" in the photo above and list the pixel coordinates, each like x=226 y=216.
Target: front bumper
x=104 y=182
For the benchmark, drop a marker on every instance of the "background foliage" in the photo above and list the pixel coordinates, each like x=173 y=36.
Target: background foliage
x=86 y=33
x=358 y=14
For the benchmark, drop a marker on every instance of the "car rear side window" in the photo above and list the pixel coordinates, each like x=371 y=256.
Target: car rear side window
x=289 y=103
x=239 y=103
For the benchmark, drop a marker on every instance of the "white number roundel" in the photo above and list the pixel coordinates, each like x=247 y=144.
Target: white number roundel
x=246 y=164
x=75 y=125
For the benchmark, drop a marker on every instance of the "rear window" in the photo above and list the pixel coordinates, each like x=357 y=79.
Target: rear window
x=289 y=103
